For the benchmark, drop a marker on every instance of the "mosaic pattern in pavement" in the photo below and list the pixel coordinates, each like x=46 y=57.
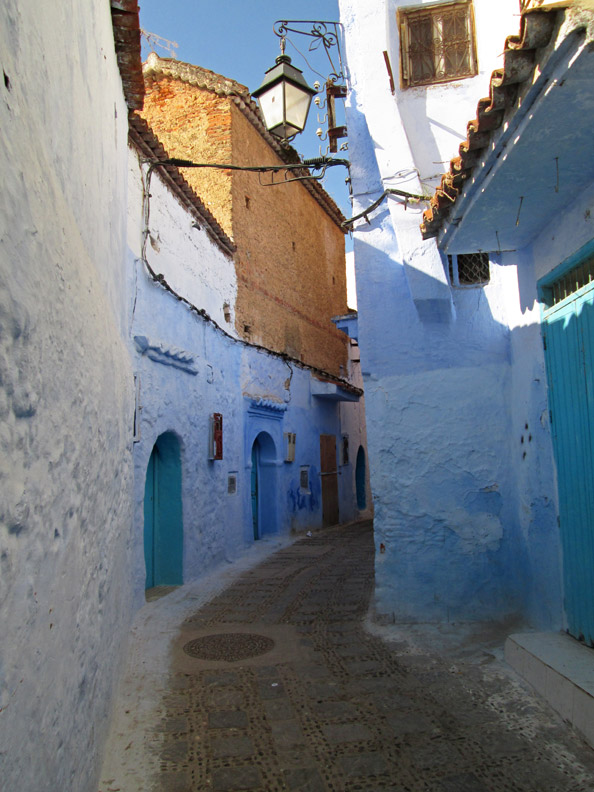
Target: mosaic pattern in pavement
x=332 y=708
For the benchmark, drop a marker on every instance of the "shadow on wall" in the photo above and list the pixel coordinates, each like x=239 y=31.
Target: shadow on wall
x=458 y=504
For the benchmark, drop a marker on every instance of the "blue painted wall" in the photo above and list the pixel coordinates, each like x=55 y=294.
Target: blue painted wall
x=189 y=370
x=464 y=507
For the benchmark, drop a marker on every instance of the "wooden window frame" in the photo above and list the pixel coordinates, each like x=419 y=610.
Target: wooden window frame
x=430 y=11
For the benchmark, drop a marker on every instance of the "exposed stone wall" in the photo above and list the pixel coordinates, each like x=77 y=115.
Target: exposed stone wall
x=290 y=254
x=290 y=261
x=195 y=125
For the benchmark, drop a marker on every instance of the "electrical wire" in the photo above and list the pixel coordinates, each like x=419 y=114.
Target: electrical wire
x=412 y=197
x=160 y=279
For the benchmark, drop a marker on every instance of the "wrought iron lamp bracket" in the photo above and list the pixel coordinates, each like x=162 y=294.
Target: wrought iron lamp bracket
x=323 y=32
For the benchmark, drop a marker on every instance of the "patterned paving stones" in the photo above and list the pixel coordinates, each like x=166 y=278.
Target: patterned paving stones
x=333 y=708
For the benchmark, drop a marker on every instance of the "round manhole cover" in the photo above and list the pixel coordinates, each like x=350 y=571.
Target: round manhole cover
x=229 y=646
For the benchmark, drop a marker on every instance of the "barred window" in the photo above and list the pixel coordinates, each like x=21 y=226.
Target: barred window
x=569 y=283
x=469 y=269
x=437 y=43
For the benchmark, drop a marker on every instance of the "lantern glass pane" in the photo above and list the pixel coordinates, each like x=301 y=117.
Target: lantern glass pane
x=297 y=102
x=271 y=103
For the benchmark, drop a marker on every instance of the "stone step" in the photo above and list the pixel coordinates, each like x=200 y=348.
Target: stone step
x=562 y=670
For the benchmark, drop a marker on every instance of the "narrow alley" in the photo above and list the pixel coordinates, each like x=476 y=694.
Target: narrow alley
x=275 y=684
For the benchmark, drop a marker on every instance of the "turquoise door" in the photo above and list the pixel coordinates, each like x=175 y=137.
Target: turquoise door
x=568 y=331
x=150 y=493
x=163 y=528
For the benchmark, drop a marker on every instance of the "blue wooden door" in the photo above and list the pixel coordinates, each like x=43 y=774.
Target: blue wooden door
x=569 y=350
x=163 y=522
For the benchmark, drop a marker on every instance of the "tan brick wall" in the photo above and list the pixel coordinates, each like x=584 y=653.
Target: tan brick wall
x=195 y=125
x=290 y=260
x=290 y=254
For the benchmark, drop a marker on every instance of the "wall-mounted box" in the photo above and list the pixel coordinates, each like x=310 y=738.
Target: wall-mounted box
x=215 y=445
x=290 y=440
x=304 y=479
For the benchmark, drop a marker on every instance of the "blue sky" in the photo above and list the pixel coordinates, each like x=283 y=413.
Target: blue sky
x=235 y=38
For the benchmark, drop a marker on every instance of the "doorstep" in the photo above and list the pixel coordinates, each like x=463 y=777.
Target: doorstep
x=562 y=670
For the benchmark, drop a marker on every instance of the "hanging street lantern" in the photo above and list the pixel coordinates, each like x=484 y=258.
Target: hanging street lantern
x=284 y=98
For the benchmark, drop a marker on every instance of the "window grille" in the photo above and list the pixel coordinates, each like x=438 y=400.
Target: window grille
x=569 y=283
x=437 y=43
x=469 y=269
x=345 y=450
x=304 y=478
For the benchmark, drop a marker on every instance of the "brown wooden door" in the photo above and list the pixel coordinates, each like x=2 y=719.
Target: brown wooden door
x=329 y=475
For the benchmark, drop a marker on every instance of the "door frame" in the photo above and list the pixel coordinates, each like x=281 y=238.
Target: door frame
x=329 y=476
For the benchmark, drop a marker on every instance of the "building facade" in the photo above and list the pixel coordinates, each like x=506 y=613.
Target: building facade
x=289 y=259
x=529 y=192
x=463 y=468
x=235 y=434
x=144 y=439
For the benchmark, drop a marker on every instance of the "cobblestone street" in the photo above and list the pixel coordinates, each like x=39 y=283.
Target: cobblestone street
x=323 y=705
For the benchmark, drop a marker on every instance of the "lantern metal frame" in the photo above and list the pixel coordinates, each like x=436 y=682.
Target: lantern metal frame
x=326 y=34
x=283 y=74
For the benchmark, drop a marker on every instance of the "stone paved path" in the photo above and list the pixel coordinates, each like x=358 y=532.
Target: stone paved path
x=332 y=708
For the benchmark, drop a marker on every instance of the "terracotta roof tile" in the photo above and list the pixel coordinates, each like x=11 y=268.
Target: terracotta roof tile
x=519 y=63
x=143 y=137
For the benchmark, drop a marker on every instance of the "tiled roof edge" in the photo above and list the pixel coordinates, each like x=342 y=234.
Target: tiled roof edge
x=126 y=35
x=198 y=76
x=520 y=61
x=145 y=140
x=240 y=96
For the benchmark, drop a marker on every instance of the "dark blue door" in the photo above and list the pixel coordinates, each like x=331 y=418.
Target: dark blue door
x=254 y=490
x=360 y=479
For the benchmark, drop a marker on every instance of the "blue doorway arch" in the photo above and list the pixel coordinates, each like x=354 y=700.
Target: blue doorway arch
x=263 y=486
x=163 y=526
x=360 y=476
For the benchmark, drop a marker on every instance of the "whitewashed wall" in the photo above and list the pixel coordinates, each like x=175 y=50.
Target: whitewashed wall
x=253 y=390
x=66 y=395
x=195 y=266
x=449 y=373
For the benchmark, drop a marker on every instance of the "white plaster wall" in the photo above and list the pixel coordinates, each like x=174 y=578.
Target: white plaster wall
x=566 y=234
x=173 y=400
x=193 y=265
x=225 y=377
x=450 y=374
x=66 y=396
x=435 y=116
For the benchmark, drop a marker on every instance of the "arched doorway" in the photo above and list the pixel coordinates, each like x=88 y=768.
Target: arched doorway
x=360 y=479
x=263 y=485
x=163 y=527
